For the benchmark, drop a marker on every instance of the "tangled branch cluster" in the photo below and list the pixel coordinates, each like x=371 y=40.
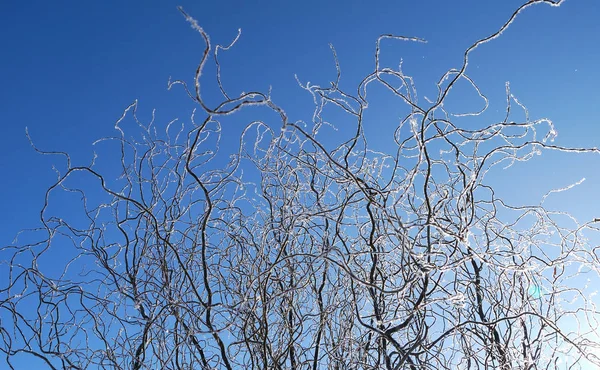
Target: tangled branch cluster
x=301 y=252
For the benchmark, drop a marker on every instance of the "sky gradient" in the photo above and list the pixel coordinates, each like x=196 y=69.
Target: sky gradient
x=70 y=70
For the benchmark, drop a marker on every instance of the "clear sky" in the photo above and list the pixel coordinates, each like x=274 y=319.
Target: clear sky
x=68 y=69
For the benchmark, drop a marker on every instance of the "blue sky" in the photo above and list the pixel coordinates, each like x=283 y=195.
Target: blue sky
x=69 y=70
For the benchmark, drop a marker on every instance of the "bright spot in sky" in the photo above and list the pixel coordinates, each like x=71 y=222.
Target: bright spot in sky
x=535 y=291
